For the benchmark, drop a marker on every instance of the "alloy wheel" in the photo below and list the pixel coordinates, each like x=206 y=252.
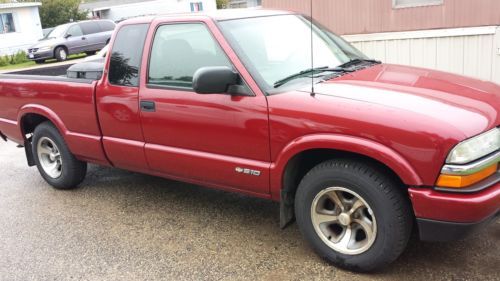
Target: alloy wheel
x=343 y=220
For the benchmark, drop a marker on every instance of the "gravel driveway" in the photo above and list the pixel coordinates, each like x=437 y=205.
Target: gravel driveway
x=125 y=226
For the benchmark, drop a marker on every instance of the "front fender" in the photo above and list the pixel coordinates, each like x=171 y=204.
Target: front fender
x=352 y=144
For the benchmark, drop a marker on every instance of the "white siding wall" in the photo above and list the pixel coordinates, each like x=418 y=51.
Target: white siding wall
x=28 y=30
x=468 y=51
x=155 y=8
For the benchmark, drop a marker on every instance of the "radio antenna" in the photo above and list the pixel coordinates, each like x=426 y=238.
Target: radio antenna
x=312 y=52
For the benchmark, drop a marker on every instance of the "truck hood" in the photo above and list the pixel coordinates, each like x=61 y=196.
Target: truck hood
x=469 y=105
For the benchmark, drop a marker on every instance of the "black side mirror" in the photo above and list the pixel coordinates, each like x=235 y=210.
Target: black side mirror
x=214 y=79
x=67 y=36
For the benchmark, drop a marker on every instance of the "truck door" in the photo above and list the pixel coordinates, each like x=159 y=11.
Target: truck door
x=118 y=100
x=217 y=139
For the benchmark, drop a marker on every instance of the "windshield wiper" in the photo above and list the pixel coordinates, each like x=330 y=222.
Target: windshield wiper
x=356 y=61
x=302 y=73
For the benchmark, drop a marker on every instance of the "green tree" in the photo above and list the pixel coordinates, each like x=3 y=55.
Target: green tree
x=56 y=12
x=222 y=4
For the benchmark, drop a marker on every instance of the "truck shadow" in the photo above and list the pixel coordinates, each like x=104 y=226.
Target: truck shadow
x=188 y=210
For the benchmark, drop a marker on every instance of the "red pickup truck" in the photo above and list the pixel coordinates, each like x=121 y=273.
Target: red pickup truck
x=356 y=151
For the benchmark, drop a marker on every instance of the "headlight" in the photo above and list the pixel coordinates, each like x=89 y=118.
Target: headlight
x=475 y=148
x=43 y=49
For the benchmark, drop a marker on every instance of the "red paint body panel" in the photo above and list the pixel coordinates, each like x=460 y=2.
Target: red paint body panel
x=407 y=118
x=205 y=137
x=11 y=130
x=462 y=208
x=70 y=106
x=419 y=114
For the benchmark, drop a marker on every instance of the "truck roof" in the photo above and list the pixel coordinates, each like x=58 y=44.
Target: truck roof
x=219 y=15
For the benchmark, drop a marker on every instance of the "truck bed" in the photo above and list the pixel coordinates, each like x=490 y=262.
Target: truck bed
x=69 y=103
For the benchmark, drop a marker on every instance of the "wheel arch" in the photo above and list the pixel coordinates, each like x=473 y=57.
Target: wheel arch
x=304 y=153
x=61 y=46
x=29 y=117
x=32 y=115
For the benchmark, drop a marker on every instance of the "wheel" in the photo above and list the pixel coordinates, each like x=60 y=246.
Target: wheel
x=57 y=165
x=61 y=54
x=39 y=61
x=353 y=215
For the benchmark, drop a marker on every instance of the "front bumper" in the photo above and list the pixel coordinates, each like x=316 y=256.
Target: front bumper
x=439 y=231
x=449 y=216
x=41 y=55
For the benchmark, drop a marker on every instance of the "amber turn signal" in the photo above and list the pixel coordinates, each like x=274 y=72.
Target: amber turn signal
x=454 y=181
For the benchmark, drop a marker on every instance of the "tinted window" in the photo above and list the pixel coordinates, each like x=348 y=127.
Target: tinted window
x=74 y=30
x=126 y=55
x=181 y=49
x=90 y=27
x=106 y=25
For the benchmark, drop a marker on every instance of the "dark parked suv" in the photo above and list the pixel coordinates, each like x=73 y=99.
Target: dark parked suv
x=72 y=38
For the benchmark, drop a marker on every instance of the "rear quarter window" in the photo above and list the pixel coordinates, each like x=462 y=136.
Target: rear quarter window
x=106 y=25
x=90 y=27
x=126 y=55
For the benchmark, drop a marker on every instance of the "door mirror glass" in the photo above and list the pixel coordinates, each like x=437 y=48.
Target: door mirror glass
x=214 y=79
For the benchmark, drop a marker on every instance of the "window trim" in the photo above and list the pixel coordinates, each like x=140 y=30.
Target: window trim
x=14 y=22
x=395 y=4
x=187 y=89
x=109 y=83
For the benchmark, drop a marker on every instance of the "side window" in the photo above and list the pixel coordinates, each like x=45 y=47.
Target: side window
x=7 y=23
x=181 y=49
x=126 y=55
x=106 y=25
x=90 y=27
x=74 y=31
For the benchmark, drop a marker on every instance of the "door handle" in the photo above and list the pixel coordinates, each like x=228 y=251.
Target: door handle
x=148 y=106
x=84 y=38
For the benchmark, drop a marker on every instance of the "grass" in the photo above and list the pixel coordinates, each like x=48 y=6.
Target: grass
x=17 y=66
x=47 y=63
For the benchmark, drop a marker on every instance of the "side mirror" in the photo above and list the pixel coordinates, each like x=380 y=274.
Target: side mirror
x=214 y=79
x=67 y=36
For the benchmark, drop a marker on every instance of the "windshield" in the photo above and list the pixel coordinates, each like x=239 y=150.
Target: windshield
x=57 y=32
x=276 y=47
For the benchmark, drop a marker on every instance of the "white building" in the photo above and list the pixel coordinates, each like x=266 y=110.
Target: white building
x=117 y=10
x=20 y=27
x=234 y=4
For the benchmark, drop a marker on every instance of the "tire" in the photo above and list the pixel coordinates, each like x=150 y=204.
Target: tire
x=381 y=225
x=57 y=165
x=39 y=61
x=61 y=54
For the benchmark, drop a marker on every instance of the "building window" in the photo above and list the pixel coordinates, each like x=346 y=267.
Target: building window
x=415 y=3
x=197 y=7
x=7 y=23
